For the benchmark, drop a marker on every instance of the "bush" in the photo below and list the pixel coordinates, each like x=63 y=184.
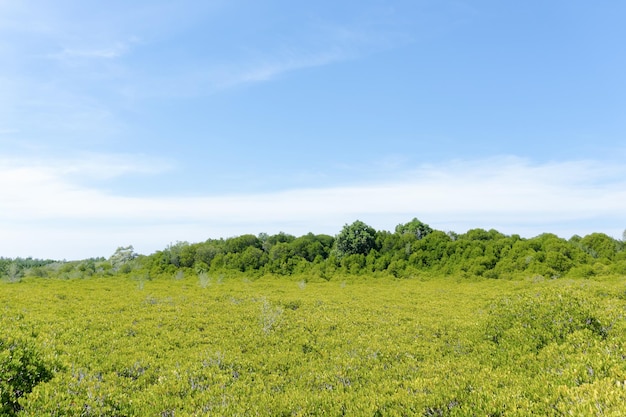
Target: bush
x=531 y=322
x=21 y=369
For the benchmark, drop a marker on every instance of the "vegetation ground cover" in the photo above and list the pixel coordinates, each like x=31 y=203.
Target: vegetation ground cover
x=196 y=344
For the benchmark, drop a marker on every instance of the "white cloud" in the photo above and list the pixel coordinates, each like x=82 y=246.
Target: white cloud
x=42 y=207
x=268 y=70
x=114 y=50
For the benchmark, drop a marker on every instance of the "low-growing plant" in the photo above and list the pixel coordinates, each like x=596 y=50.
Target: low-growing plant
x=22 y=367
x=535 y=320
x=357 y=345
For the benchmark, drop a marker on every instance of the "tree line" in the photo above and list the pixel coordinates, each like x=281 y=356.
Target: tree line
x=413 y=249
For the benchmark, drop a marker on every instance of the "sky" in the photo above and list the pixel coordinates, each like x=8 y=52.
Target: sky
x=150 y=122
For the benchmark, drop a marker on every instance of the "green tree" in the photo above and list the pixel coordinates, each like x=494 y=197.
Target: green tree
x=414 y=227
x=356 y=238
x=600 y=245
x=353 y=263
x=241 y=243
x=252 y=258
x=188 y=255
x=269 y=241
x=206 y=252
x=311 y=246
x=279 y=257
x=122 y=256
x=431 y=250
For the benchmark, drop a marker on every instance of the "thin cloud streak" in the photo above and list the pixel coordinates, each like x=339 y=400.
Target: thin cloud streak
x=508 y=192
x=271 y=69
x=115 y=50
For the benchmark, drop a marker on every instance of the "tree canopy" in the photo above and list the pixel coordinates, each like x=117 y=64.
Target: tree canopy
x=412 y=250
x=357 y=238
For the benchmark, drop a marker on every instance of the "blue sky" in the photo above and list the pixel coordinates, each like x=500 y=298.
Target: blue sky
x=151 y=122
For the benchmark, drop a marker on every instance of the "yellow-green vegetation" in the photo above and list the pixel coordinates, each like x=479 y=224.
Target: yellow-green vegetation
x=203 y=344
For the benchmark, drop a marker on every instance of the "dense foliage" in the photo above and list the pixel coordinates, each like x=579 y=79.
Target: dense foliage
x=375 y=323
x=414 y=249
x=217 y=345
x=21 y=369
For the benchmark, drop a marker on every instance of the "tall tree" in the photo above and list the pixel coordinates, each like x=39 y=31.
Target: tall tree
x=414 y=227
x=122 y=255
x=356 y=238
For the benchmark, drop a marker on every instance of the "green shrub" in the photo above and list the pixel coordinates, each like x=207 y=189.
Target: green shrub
x=530 y=322
x=21 y=369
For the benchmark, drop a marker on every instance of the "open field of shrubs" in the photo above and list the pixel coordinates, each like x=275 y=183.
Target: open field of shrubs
x=203 y=344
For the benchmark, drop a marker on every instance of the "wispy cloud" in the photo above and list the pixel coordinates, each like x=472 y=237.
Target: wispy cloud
x=85 y=48
x=204 y=79
x=115 y=50
x=83 y=165
x=508 y=194
x=324 y=44
x=268 y=69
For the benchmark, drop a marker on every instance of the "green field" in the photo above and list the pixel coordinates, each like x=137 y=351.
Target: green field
x=220 y=345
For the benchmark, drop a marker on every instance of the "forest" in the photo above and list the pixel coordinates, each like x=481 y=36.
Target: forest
x=414 y=322
x=414 y=249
